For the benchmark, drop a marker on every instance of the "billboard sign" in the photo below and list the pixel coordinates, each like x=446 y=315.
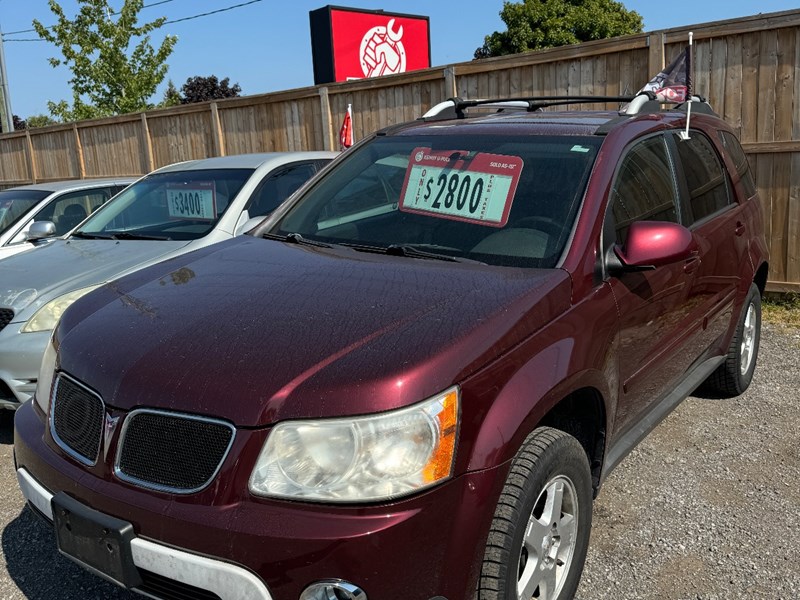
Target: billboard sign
x=349 y=43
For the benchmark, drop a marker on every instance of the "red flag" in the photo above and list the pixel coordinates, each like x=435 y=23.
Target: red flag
x=671 y=84
x=346 y=132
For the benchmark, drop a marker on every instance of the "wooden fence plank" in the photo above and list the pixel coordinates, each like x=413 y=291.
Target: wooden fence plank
x=767 y=68
x=763 y=177
x=784 y=84
x=717 y=91
x=751 y=50
x=779 y=216
x=793 y=226
x=733 y=84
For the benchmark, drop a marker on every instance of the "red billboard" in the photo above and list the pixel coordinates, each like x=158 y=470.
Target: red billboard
x=349 y=43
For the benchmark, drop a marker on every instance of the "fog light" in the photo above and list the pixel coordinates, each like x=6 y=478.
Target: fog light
x=333 y=589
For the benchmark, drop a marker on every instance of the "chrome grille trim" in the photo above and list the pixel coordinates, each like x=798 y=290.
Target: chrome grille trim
x=121 y=475
x=90 y=462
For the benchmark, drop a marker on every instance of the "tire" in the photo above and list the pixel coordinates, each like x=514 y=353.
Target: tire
x=525 y=557
x=734 y=375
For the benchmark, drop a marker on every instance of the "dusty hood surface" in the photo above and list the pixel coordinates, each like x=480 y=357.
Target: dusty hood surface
x=258 y=331
x=32 y=278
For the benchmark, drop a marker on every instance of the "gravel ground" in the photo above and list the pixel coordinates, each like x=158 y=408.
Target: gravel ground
x=706 y=508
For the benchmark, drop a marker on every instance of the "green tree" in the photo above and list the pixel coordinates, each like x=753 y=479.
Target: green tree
x=108 y=77
x=536 y=24
x=203 y=89
x=172 y=97
x=39 y=121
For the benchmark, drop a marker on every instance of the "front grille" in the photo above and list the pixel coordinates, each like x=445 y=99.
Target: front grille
x=165 y=588
x=172 y=452
x=77 y=415
x=6 y=314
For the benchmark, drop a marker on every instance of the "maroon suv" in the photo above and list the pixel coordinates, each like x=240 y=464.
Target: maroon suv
x=411 y=380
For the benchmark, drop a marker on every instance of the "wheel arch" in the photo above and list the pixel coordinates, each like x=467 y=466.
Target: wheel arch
x=582 y=414
x=760 y=278
x=577 y=406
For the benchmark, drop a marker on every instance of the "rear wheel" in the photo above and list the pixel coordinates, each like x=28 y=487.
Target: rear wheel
x=734 y=375
x=540 y=532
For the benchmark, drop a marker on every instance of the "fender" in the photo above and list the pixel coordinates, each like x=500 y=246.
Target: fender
x=501 y=405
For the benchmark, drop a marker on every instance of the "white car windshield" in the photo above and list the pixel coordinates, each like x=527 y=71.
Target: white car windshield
x=180 y=205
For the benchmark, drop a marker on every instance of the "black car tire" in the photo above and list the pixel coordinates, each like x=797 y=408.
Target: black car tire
x=550 y=465
x=733 y=377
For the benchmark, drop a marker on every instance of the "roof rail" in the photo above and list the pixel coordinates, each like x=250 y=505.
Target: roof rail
x=643 y=102
x=648 y=102
x=455 y=107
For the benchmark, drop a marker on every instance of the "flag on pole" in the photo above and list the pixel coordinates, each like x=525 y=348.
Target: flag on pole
x=346 y=132
x=672 y=84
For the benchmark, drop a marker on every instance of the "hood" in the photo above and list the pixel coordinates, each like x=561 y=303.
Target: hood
x=31 y=279
x=258 y=331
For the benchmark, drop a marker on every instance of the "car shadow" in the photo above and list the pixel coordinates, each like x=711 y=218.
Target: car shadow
x=6 y=427
x=41 y=573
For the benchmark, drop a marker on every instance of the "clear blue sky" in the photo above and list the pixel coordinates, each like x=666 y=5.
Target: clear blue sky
x=265 y=46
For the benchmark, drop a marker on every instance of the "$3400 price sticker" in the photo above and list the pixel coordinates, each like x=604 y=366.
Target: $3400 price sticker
x=192 y=202
x=454 y=185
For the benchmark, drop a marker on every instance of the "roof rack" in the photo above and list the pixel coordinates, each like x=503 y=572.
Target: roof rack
x=644 y=102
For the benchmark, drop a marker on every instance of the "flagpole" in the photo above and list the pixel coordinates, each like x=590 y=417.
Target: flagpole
x=689 y=82
x=685 y=136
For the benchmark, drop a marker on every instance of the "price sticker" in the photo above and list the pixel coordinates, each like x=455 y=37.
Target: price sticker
x=194 y=201
x=452 y=184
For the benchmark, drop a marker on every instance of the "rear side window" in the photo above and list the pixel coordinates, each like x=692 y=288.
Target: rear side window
x=734 y=148
x=705 y=175
x=644 y=189
x=278 y=187
x=72 y=208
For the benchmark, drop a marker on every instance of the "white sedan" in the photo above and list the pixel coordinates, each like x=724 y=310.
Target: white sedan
x=63 y=203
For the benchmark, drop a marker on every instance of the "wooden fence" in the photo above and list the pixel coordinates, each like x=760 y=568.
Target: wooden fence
x=748 y=68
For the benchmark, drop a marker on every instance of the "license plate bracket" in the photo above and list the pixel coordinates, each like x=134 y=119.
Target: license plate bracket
x=96 y=541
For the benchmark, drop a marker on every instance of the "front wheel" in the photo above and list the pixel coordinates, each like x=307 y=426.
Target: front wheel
x=733 y=376
x=540 y=532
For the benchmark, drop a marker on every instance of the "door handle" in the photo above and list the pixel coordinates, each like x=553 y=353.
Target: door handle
x=740 y=228
x=691 y=264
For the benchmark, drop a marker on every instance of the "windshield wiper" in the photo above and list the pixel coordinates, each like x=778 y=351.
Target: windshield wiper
x=295 y=238
x=127 y=235
x=413 y=251
x=84 y=235
x=117 y=235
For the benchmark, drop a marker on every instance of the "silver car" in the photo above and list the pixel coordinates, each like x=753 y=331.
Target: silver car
x=63 y=203
x=172 y=211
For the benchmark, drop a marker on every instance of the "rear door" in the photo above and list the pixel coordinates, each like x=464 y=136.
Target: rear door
x=710 y=211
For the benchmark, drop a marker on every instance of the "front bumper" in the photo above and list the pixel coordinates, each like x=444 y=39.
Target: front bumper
x=429 y=545
x=221 y=578
x=20 y=359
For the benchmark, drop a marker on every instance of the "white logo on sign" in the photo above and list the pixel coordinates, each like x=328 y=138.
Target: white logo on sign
x=382 y=52
x=419 y=156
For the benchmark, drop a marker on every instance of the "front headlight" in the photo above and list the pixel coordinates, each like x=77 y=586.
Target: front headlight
x=47 y=372
x=46 y=318
x=361 y=458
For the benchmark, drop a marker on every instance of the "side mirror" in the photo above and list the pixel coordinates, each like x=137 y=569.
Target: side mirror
x=651 y=244
x=40 y=230
x=248 y=224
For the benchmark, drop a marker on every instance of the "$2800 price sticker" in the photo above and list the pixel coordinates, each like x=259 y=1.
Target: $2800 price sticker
x=454 y=185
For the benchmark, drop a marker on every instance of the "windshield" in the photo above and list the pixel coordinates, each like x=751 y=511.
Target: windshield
x=181 y=205
x=15 y=203
x=502 y=200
